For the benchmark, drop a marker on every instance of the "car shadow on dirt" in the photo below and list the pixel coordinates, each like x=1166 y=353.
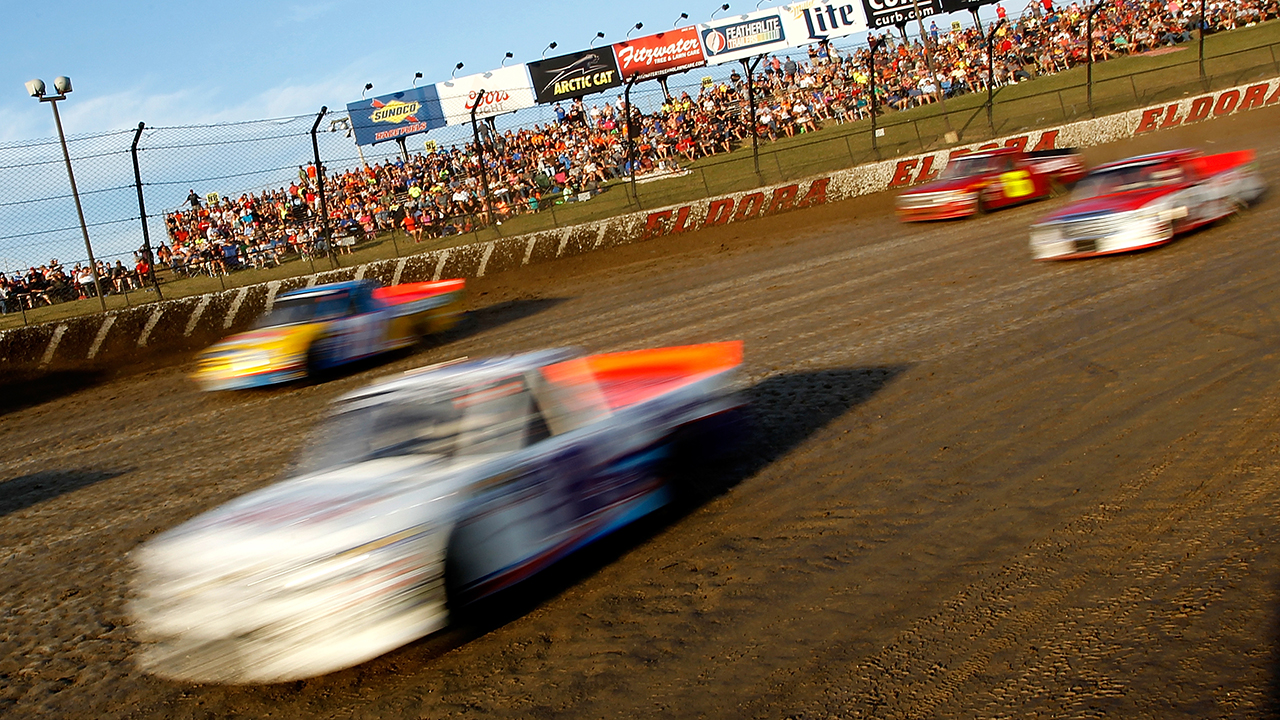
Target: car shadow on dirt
x=24 y=491
x=22 y=390
x=781 y=412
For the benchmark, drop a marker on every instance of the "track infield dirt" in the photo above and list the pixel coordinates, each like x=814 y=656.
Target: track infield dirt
x=980 y=487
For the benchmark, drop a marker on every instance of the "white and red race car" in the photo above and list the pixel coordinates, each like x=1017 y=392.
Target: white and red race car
x=1144 y=201
x=423 y=493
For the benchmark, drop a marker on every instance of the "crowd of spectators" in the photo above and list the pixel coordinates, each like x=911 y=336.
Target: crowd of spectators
x=51 y=283
x=570 y=159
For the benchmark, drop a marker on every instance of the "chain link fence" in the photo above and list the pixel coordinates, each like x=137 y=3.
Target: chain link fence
x=268 y=199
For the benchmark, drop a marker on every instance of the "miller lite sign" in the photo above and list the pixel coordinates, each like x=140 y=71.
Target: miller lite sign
x=814 y=21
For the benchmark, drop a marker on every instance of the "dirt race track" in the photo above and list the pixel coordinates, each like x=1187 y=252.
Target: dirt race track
x=979 y=487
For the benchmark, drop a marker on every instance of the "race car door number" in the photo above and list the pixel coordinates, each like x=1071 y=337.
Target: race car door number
x=1017 y=184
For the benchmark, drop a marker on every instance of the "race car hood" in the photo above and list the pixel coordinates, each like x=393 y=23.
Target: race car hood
x=952 y=184
x=311 y=516
x=284 y=337
x=1110 y=204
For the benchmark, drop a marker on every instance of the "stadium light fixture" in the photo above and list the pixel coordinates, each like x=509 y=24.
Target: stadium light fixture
x=505 y=58
x=599 y=36
x=552 y=46
x=62 y=84
x=719 y=9
x=456 y=68
x=416 y=77
x=683 y=16
x=637 y=27
x=367 y=88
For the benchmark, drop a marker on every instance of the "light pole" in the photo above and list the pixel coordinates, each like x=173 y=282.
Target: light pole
x=63 y=85
x=599 y=36
x=552 y=46
x=505 y=58
x=454 y=74
x=719 y=9
x=683 y=16
x=637 y=27
x=416 y=77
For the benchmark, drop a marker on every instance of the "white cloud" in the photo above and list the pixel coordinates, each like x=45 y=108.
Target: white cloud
x=306 y=13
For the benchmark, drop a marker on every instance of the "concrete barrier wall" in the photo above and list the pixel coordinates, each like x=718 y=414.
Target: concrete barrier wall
x=189 y=323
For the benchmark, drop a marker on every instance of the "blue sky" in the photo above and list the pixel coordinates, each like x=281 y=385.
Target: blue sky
x=169 y=63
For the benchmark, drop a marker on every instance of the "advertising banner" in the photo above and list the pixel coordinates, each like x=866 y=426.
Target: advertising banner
x=574 y=75
x=813 y=21
x=505 y=90
x=951 y=6
x=396 y=115
x=883 y=13
x=743 y=36
x=657 y=55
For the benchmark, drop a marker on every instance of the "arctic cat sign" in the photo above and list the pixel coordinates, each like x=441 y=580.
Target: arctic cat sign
x=574 y=75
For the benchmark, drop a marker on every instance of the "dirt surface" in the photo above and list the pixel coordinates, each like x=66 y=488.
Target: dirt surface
x=979 y=487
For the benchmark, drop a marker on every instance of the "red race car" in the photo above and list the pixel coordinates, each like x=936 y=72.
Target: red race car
x=1145 y=201
x=988 y=180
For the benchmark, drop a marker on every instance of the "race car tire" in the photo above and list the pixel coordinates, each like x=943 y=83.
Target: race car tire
x=1056 y=188
x=318 y=370
x=703 y=455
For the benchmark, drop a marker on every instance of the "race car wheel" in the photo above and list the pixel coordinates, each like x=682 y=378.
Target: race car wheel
x=1056 y=188
x=320 y=363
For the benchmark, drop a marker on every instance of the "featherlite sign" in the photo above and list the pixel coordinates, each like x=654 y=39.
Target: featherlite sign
x=395 y=116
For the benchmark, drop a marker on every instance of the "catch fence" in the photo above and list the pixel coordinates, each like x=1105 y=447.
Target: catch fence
x=130 y=181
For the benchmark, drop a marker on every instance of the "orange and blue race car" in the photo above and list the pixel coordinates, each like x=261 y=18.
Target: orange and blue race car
x=313 y=330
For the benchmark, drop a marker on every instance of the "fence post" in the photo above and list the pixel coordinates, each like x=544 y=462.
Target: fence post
x=751 y=106
x=1204 y=25
x=324 y=207
x=632 y=132
x=142 y=213
x=872 y=43
x=991 y=69
x=484 y=173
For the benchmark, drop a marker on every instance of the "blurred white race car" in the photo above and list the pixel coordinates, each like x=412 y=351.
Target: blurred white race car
x=425 y=492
